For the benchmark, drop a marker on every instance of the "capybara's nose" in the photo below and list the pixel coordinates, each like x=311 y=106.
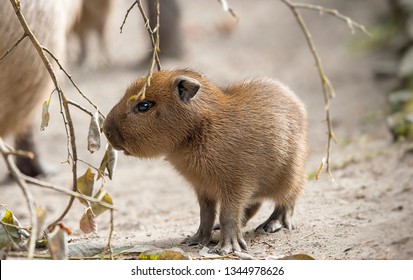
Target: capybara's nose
x=111 y=132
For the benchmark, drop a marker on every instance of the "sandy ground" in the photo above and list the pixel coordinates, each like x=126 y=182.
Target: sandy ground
x=367 y=215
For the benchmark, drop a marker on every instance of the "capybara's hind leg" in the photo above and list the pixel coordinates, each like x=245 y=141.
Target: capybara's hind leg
x=30 y=167
x=280 y=218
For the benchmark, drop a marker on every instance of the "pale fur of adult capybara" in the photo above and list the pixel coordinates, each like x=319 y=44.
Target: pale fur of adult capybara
x=24 y=80
x=236 y=145
x=94 y=18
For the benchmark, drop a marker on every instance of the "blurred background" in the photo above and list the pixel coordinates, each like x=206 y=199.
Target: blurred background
x=367 y=214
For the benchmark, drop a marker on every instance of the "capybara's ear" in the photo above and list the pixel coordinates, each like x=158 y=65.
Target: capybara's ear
x=186 y=87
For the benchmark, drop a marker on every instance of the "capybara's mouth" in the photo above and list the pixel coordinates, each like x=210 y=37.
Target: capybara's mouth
x=116 y=146
x=120 y=148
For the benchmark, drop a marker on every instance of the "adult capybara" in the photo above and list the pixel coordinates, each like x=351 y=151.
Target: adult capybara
x=24 y=81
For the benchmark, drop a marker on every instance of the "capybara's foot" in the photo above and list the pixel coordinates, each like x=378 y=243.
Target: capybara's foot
x=229 y=244
x=280 y=218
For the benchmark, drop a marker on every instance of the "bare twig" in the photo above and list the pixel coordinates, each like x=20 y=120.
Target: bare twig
x=151 y=33
x=72 y=81
x=154 y=37
x=328 y=91
x=23 y=154
x=306 y=236
x=64 y=103
x=12 y=225
x=12 y=48
x=27 y=194
x=52 y=74
x=93 y=167
x=350 y=23
x=76 y=194
x=227 y=8
x=70 y=102
x=109 y=246
x=126 y=15
x=8 y=233
x=48 y=257
x=24 y=255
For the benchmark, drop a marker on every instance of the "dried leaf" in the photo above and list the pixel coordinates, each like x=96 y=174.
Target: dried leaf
x=41 y=218
x=8 y=234
x=161 y=254
x=298 y=257
x=57 y=243
x=65 y=228
x=93 y=138
x=204 y=252
x=113 y=156
x=85 y=184
x=244 y=256
x=87 y=222
x=45 y=115
x=102 y=195
x=108 y=162
x=101 y=120
x=138 y=249
x=86 y=249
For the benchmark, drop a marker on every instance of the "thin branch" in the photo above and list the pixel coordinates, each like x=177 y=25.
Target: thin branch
x=100 y=174
x=14 y=46
x=27 y=194
x=24 y=255
x=328 y=91
x=154 y=37
x=22 y=154
x=8 y=233
x=72 y=81
x=12 y=225
x=227 y=8
x=352 y=25
x=151 y=32
x=127 y=14
x=109 y=246
x=76 y=194
x=48 y=65
x=48 y=257
x=62 y=112
x=80 y=107
x=64 y=103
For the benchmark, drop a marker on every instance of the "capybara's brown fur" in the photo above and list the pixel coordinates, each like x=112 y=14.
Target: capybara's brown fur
x=24 y=80
x=237 y=146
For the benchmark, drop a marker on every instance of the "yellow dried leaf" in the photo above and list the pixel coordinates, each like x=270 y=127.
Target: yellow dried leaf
x=45 y=115
x=85 y=184
x=108 y=162
x=160 y=254
x=7 y=232
x=102 y=195
x=41 y=218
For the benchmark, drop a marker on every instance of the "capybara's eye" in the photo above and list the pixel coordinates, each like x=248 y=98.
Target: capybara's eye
x=143 y=106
